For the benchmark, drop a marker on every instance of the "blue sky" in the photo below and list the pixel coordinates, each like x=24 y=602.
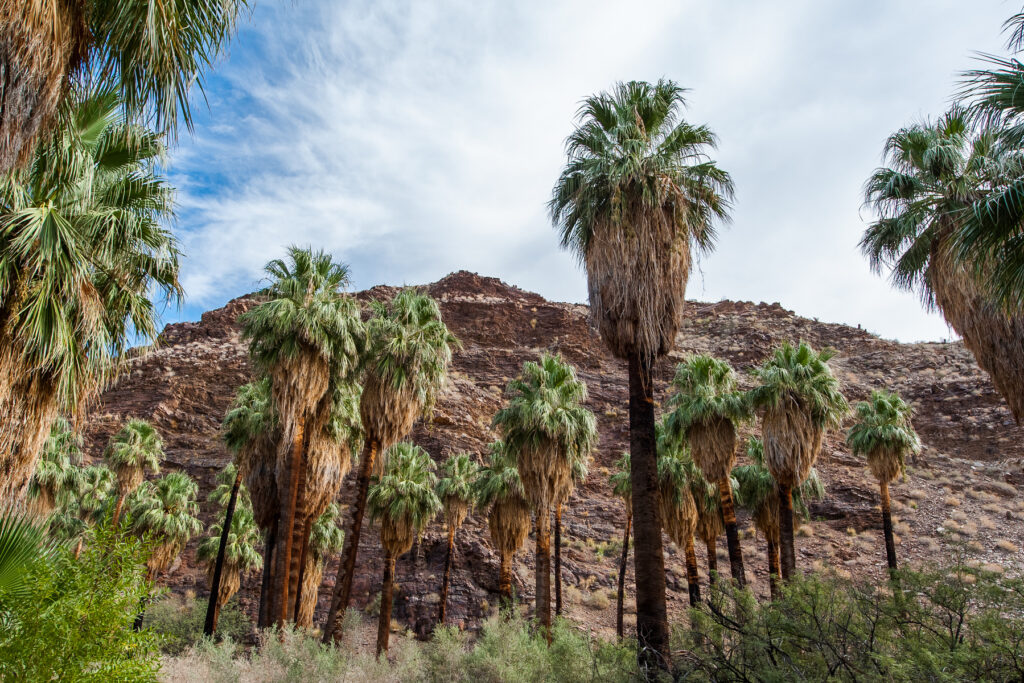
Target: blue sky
x=412 y=139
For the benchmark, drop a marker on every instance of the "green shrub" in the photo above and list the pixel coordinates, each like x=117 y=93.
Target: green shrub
x=940 y=624
x=179 y=622
x=74 y=623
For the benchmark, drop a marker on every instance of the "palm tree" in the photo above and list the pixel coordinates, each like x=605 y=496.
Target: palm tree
x=239 y=556
x=58 y=471
x=83 y=253
x=637 y=194
x=455 y=491
x=499 y=492
x=884 y=434
x=325 y=540
x=800 y=399
x=710 y=521
x=164 y=511
x=409 y=349
x=137 y=447
x=620 y=483
x=151 y=52
x=926 y=197
x=547 y=428
x=706 y=410
x=404 y=501
x=678 y=509
x=757 y=491
x=307 y=338
x=580 y=467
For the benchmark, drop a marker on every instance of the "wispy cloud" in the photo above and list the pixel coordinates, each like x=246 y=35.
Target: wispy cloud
x=413 y=139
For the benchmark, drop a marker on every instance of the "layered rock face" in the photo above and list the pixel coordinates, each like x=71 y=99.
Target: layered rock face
x=962 y=490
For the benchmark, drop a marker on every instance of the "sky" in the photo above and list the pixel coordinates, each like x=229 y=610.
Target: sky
x=413 y=139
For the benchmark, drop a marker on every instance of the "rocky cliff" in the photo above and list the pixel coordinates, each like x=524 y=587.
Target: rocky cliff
x=963 y=491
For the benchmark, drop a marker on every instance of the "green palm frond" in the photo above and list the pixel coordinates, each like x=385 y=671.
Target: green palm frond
x=799 y=373
x=677 y=471
x=137 y=446
x=326 y=538
x=58 y=472
x=705 y=389
x=22 y=544
x=405 y=493
x=498 y=479
x=620 y=480
x=883 y=424
x=243 y=539
x=457 y=475
x=251 y=414
x=225 y=481
x=754 y=486
x=166 y=509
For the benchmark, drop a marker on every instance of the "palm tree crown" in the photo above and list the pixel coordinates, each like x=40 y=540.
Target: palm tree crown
x=403 y=499
x=58 y=470
x=884 y=434
x=240 y=553
x=165 y=511
x=757 y=491
x=637 y=192
x=455 y=487
x=131 y=451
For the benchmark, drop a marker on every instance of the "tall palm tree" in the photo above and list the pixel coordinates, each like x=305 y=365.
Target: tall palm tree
x=307 y=337
x=637 y=194
x=678 y=508
x=706 y=410
x=239 y=556
x=404 y=501
x=251 y=431
x=57 y=472
x=455 y=491
x=137 y=447
x=409 y=349
x=884 y=434
x=151 y=52
x=165 y=511
x=925 y=197
x=800 y=399
x=620 y=483
x=325 y=540
x=757 y=491
x=83 y=253
x=228 y=494
x=499 y=492
x=547 y=428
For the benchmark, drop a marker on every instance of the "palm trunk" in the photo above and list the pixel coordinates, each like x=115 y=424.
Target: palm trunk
x=558 y=560
x=266 y=599
x=622 y=575
x=890 y=540
x=787 y=549
x=386 y=593
x=213 y=604
x=447 y=575
x=347 y=565
x=692 y=579
x=542 y=572
x=712 y=548
x=300 y=534
x=306 y=530
x=78 y=549
x=732 y=535
x=505 y=580
x=286 y=534
x=773 y=568
x=648 y=557
x=117 y=510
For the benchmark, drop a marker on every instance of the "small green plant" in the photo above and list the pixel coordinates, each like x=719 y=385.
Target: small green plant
x=179 y=622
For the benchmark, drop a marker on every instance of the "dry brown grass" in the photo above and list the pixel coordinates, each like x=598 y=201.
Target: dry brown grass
x=951 y=501
x=1005 y=546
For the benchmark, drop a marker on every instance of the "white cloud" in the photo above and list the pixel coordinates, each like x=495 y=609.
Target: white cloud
x=413 y=139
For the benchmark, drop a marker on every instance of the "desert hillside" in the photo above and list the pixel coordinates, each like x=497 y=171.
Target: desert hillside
x=963 y=490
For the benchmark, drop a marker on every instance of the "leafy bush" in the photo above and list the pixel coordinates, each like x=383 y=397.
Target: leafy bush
x=940 y=624
x=74 y=621
x=179 y=622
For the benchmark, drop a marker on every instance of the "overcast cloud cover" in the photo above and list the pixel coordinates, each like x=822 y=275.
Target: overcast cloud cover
x=412 y=138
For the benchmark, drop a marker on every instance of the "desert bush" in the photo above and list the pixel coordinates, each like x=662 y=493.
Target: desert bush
x=940 y=624
x=179 y=622
x=74 y=620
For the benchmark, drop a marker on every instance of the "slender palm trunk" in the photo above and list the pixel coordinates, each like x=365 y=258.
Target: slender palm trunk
x=648 y=557
x=78 y=549
x=447 y=574
x=266 y=599
x=542 y=572
x=117 y=509
x=286 y=534
x=386 y=595
x=505 y=580
x=712 y=547
x=773 y=568
x=306 y=530
x=213 y=604
x=890 y=540
x=786 y=547
x=692 y=578
x=300 y=531
x=558 y=560
x=347 y=565
x=732 y=535
x=622 y=575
